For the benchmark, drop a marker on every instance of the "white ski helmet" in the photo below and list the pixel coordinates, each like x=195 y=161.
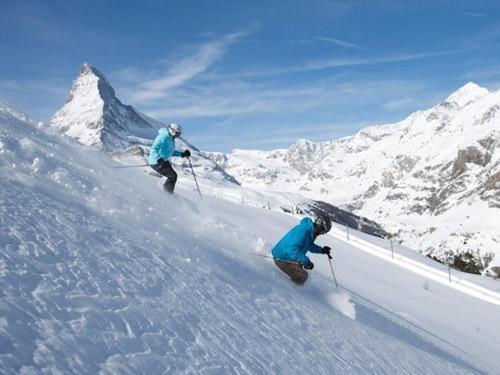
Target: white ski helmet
x=174 y=129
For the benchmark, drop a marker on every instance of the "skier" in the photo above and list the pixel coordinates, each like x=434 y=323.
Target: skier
x=290 y=252
x=162 y=149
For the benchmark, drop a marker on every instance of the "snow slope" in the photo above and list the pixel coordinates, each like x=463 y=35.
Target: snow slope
x=433 y=179
x=101 y=271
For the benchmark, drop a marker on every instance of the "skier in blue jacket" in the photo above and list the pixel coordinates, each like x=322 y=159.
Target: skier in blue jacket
x=290 y=252
x=162 y=149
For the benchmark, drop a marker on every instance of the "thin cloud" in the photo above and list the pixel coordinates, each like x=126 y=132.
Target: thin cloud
x=339 y=42
x=329 y=63
x=186 y=68
x=335 y=62
x=471 y=14
x=222 y=99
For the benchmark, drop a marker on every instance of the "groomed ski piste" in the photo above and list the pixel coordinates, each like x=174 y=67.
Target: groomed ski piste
x=102 y=272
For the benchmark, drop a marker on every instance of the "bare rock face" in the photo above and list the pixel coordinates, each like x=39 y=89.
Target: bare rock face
x=387 y=179
x=488 y=115
x=301 y=155
x=405 y=163
x=488 y=143
x=490 y=191
x=372 y=191
x=470 y=155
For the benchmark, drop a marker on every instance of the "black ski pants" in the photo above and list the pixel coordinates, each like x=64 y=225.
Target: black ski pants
x=165 y=169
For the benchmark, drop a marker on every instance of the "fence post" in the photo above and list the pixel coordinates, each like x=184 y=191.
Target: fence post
x=268 y=205
x=449 y=273
x=347 y=231
x=392 y=250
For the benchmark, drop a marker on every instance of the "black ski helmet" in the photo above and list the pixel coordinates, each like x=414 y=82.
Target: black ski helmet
x=323 y=222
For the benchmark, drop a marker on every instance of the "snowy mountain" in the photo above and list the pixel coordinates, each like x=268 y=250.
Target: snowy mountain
x=102 y=272
x=433 y=179
x=94 y=115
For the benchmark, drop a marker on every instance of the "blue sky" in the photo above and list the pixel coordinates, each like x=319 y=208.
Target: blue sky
x=252 y=74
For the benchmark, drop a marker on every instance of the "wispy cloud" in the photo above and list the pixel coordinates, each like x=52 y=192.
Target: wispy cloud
x=335 y=62
x=339 y=42
x=234 y=98
x=249 y=98
x=184 y=69
x=321 y=110
x=471 y=14
x=190 y=91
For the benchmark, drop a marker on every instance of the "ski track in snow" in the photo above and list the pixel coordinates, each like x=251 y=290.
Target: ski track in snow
x=101 y=272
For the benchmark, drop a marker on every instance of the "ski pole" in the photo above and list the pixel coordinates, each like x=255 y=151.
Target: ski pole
x=192 y=170
x=132 y=166
x=333 y=273
x=281 y=260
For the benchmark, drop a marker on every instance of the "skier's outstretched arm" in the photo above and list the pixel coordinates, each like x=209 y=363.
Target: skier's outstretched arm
x=315 y=249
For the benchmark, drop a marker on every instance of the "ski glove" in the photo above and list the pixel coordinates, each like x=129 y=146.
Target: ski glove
x=309 y=266
x=186 y=154
x=160 y=161
x=326 y=250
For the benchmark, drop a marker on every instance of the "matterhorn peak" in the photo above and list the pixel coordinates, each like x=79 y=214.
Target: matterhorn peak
x=94 y=115
x=467 y=93
x=87 y=68
x=89 y=73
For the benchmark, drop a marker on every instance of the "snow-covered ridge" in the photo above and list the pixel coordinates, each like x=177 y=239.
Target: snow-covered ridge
x=9 y=113
x=468 y=93
x=433 y=179
x=101 y=271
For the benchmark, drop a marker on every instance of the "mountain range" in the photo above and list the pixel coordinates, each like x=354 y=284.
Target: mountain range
x=430 y=181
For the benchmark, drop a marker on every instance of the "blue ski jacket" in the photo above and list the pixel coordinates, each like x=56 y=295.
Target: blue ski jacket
x=163 y=147
x=296 y=243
